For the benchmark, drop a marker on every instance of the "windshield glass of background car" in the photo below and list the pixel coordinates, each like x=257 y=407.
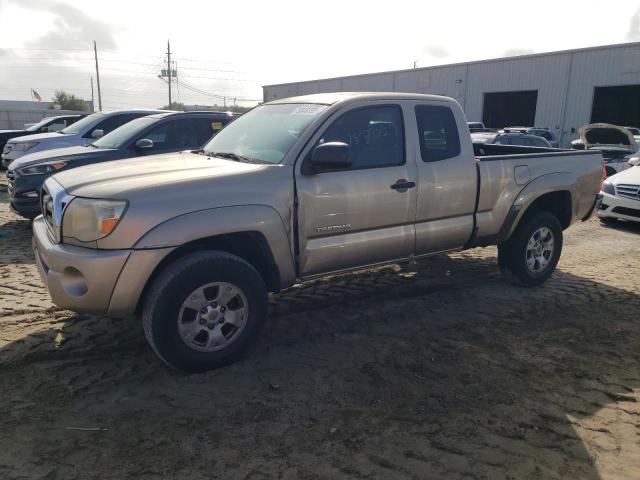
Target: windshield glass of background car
x=41 y=123
x=121 y=135
x=80 y=125
x=266 y=133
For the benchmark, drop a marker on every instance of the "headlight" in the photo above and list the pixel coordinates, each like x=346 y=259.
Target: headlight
x=633 y=159
x=90 y=219
x=23 y=147
x=41 y=169
x=607 y=187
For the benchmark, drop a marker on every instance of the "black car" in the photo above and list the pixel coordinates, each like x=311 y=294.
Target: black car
x=150 y=135
x=46 y=125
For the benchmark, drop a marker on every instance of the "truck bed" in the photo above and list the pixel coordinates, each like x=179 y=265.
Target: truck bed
x=505 y=172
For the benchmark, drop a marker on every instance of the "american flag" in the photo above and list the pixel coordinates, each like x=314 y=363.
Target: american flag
x=36 y=95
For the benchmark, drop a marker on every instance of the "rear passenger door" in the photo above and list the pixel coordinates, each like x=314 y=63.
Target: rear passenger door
x=447 y=179
x=358 y=216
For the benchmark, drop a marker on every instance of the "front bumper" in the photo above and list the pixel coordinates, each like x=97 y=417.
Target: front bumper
x=11 y=155
x=613 y=206
x=93 y=281
x=18 y=186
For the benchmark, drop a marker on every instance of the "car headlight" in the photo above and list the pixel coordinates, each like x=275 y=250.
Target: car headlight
x=42 y=168
x=90 y=219
x=607 y=187
x=633 y=159
x=24 y=146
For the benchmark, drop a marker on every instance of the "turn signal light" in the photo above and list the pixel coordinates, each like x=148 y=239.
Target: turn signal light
x=107 y=225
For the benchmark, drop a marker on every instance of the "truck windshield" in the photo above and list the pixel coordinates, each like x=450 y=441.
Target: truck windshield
x=121 y=135
x=266 y=133
x=80 y=125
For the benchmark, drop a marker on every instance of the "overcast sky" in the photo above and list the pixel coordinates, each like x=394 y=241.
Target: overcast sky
x=232 y=48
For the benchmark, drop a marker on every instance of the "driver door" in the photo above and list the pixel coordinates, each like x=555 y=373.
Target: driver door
x=362 y=215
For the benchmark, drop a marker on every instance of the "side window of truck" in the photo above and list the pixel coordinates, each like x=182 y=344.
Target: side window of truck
x=375 y=135
x=437 y=133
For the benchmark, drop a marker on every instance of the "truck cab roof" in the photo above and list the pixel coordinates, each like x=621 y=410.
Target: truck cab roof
x=343 y=97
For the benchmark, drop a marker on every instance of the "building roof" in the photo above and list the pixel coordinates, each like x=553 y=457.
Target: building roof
x=473 y=62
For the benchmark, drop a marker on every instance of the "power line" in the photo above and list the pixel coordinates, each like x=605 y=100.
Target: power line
x=215 y=95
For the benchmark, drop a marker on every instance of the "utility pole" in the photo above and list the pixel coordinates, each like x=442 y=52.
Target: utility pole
x=95 y=52
x=93 y=104
x=169 y=70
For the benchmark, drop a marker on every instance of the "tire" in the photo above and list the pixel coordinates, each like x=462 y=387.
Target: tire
x=525 y=264
x=172 y=314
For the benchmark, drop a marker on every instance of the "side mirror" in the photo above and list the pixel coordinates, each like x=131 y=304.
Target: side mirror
x=331 y=156
x=144 y=144
x=97 y=133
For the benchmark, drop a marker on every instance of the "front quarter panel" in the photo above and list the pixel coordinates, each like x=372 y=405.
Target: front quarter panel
x=227 y=220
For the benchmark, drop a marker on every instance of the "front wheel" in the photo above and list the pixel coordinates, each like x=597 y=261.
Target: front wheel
x=530 y=256
x=204 y=310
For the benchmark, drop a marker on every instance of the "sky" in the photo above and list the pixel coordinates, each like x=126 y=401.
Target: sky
x=228 y=50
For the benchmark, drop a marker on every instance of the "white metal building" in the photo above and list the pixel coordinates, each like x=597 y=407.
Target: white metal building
x=561 y=90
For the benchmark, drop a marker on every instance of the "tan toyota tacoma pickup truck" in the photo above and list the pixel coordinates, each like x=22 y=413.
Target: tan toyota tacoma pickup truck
x=295 y=189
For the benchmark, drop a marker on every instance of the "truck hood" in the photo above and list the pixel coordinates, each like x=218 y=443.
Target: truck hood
x=607 y=136
x=140 y=176
x=67 y=154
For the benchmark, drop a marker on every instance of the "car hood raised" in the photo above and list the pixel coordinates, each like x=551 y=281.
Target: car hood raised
x=607 y=136
x=66 y=154
x=118 y=179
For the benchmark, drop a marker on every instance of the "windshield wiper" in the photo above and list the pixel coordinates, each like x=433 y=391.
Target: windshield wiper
x=235 y=157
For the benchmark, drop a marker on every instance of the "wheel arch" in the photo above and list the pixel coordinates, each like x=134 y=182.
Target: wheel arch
x=255 y=233
x=553 y=193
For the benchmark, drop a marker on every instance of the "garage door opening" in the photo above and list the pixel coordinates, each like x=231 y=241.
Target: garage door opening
x=510 y=109
x=617 y=105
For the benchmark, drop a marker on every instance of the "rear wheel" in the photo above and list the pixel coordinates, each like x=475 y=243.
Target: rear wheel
x=204 y=310
x=530 y=256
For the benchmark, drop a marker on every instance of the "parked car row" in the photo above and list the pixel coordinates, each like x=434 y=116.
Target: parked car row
x=526 y=137
x=141 y=134
x=295 y=189
x=82 y=132
x=46 y=125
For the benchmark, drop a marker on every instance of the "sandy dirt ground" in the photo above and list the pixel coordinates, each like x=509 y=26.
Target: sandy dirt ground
x=440 y=371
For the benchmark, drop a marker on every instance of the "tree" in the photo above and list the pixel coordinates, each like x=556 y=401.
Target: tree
x=66 y=101
x=181 y=107
x=177 y=106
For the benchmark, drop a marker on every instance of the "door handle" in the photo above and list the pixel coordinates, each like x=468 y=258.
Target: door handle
x=403 y=185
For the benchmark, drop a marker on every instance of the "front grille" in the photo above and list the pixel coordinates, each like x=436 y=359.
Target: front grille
x=629 y=191
x=47 y=206
x=629 y=212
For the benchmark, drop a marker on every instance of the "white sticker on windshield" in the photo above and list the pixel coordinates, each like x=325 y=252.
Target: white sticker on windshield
x=308 y=109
